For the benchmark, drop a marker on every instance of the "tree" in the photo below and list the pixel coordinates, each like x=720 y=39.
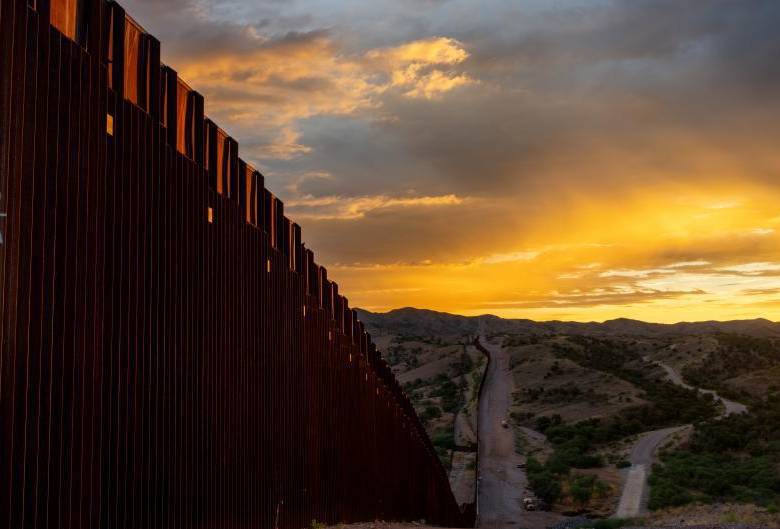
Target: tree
x=582 y=489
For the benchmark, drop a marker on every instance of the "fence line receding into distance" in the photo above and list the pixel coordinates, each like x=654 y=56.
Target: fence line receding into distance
x=172 y=355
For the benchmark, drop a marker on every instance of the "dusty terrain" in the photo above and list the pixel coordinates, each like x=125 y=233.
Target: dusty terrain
x=441 y=375
x=502 y=482
x=547 y=384
x=545 y=377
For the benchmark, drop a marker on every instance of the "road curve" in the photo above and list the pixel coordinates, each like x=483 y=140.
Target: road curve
x=674 y=377
x=634 y=497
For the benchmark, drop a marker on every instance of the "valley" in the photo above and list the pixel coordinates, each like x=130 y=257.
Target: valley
x=612 y=420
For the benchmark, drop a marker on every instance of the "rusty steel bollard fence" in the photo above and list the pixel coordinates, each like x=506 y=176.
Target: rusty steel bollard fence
x=172 y=354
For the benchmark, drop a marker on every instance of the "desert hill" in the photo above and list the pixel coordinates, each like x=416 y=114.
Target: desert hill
x=423 y=322
x=584 y=394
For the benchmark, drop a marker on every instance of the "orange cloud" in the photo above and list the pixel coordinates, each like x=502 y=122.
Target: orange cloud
x=350 y=208
x=422 y=69
x=277 y=83
x=543 y=163
x=678 y=262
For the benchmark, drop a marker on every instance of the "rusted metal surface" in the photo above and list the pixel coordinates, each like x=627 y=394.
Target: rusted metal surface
x=172 y=355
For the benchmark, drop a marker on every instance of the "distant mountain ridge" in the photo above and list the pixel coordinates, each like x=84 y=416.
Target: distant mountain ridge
x=426 y=322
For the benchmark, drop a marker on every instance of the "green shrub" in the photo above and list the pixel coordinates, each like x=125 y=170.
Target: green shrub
x=608 y=523
x=443 y=439
x=451 y=395
x=581 y=489
x=735 y=458
x=670 y=404
x=544 y=484
x=464 y=364
x=545 y=422
x=584 y=488
x=430 y=412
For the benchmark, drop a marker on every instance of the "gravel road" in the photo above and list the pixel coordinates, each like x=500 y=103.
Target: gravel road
x=633 y=499
x=502 y=485
x=675 y=378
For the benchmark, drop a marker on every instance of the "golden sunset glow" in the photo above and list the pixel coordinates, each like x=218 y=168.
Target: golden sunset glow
x=702 y=256
x=525 y=160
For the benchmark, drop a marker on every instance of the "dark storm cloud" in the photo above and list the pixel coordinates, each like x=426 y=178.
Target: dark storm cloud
x=562 y=89
x=561 y=108
x=198 y=29
x=629 y=77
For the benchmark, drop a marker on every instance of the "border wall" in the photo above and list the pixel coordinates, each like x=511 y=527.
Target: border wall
x=172 y=355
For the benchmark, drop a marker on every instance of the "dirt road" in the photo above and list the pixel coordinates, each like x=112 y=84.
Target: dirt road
x=633 y=500
x=502 y=485
x=674 y=377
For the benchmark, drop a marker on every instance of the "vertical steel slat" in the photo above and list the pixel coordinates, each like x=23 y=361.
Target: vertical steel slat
x=159 y=369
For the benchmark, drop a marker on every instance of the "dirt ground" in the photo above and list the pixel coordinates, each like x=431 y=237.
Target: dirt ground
x=536 y=368
x=503 y=483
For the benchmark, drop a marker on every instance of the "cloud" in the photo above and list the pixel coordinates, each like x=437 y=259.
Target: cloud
x=451 y=153
x=249 y=77
x=511 y=257
x=635 y=273
x=602 y=297
x=352 y=208
x=423 y=52
x=277 y=82
x=416 y=67
x=688 y=264
x=753 y=269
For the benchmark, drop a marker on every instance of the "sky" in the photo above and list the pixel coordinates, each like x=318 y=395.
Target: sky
x=544 y=159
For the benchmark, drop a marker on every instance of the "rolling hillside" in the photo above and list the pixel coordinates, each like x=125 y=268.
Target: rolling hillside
x=424 y=322
x=585 y=393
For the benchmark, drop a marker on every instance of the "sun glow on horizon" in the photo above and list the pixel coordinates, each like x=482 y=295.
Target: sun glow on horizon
x=528 y=159
x=664 y=256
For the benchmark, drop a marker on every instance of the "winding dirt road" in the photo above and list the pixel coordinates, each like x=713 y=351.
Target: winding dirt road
x=674 y=377
x=633 y=500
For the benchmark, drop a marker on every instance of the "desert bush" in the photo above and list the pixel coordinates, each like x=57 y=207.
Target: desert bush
x=430 y=412
x=543 y=482
x=734 y=458
x=609 y=523
x=443 y=438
